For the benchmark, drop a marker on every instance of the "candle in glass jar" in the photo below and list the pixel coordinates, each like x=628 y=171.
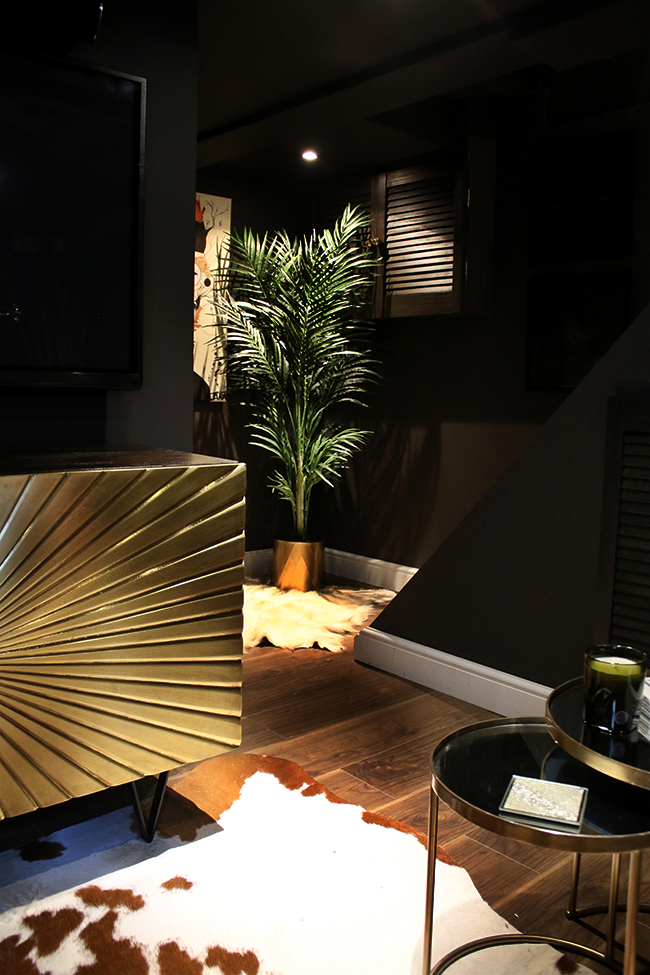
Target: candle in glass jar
x=613 y=687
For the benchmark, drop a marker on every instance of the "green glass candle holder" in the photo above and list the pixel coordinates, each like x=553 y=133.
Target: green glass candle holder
x=614 y=678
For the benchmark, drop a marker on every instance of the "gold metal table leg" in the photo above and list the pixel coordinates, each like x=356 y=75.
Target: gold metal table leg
x=431 y=881
x=573 y=892
x=633 y=882
x=501 y=941
x=612 y=908
x=482 y=943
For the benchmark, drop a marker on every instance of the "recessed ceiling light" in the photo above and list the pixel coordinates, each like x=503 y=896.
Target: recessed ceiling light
x=309 y=155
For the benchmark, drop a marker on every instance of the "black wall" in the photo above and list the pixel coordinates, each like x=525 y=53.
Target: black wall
x=454 y=409
x=516 y=585
x=156 y=40
x=449 y=414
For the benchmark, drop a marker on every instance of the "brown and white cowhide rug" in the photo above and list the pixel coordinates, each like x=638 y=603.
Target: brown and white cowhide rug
x=297 y=882
x=329 y=618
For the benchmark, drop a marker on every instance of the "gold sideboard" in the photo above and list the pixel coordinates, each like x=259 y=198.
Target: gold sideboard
x=120 y=619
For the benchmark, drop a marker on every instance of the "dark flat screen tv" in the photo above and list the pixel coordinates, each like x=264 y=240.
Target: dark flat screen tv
x=71 y=215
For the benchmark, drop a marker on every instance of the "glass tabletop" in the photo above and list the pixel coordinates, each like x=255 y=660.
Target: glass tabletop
x=472 y=769
x=620 y=757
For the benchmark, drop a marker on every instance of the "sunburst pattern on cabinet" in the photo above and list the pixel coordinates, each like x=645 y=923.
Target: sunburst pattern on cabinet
x=120 y=625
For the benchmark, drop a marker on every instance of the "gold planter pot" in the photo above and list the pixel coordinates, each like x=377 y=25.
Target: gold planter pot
x=298 y=565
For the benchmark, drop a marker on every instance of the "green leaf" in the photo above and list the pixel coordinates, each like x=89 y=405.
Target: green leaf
x=298 y=347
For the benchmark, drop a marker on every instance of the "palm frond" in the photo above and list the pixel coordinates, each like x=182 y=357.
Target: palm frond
x=298 y=347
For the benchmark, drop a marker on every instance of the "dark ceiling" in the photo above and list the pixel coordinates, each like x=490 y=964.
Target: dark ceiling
x=374 y=82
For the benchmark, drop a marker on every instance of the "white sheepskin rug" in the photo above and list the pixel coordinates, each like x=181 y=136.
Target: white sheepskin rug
x=329 y=618
x=298 y=882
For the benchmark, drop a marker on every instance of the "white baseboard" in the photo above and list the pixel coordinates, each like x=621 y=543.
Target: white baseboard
x=258 y=563
x=374 y=572
x=492 y=689
x=359 y=568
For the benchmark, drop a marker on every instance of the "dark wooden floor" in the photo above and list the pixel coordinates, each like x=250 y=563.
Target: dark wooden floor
x=368 y=736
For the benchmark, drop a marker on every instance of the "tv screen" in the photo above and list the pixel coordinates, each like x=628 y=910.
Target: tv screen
x=71 y=195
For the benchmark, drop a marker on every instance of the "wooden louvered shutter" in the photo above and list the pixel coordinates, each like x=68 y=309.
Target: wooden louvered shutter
x=423 y=222
x=624 y=598
x=630 y=622
x=437 y=249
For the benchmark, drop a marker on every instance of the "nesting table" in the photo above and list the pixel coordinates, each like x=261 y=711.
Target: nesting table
x=471 y=770
x=619 y=758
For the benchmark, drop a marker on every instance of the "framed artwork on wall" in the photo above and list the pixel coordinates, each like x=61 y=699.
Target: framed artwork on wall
x=212 y=227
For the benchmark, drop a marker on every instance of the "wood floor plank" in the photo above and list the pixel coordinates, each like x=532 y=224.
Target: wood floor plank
x=263 y=663
x=538 y=859
x=360 y=737
x=255 y=736
x=414 y=810
x=405 y=769
x=643 y=939
x=450 y=825
x=472 y=712
x=353 y=790
x=539 y=908
x=595 y=872
x=307 y=705
x=271 y=679
x=486 y=867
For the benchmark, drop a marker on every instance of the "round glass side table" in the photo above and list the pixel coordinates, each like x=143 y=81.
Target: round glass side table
x=619 y=757
x=471 y=770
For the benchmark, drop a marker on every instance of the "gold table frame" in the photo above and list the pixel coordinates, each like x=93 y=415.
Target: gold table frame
x=575 y=843
x=617 y=769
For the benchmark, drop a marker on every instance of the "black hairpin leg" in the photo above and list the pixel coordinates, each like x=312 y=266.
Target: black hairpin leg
x=148 y=827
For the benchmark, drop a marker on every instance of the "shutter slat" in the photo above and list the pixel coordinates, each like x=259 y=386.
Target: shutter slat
x=434 y=263
x=436 y=248
x=630 y=619
x=420 y=226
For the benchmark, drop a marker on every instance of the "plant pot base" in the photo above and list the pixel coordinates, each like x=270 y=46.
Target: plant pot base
x=298 y=565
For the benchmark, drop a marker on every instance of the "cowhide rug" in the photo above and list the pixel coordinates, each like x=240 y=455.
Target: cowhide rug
x=329 y=618
x=296 y=882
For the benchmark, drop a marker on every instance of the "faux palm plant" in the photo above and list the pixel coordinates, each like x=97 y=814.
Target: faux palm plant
x=298 y=348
